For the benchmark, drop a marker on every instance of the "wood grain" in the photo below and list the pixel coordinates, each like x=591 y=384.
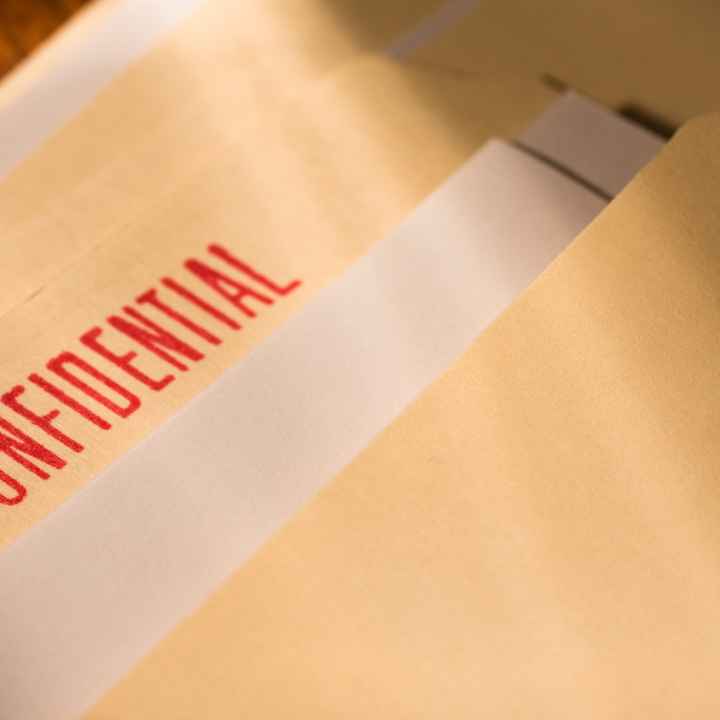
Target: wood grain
x=25 y=24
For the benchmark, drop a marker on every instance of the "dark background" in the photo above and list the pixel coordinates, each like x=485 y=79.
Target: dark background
x=24 y=24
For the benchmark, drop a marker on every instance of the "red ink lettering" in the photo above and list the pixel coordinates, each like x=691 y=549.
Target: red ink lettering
x=18 y=442
x=59 y=366
x=230 y=259
x=65 y=399
x=155 y=339
x=150 y=298
x=232 y=290
x=44 y=422
x=191 y=297
x=20 y=491
x=124 y=362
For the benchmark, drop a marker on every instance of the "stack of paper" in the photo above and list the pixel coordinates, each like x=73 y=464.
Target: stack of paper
x=350 y=370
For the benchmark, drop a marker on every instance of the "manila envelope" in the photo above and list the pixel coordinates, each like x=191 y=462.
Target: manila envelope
x=282 y=129
x=250 y=121
x=536 y=536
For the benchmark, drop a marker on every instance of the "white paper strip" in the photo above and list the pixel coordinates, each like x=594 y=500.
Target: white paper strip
x=581 y=136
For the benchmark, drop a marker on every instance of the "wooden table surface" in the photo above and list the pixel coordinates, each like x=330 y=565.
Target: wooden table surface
x=24 y=24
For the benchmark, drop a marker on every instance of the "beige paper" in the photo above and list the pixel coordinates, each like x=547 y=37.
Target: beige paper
x=535 y=537
x=311 y=135
x=654 y=58
x=255 y=119
x=151 y=538
x=210 y=180
x=225 y=77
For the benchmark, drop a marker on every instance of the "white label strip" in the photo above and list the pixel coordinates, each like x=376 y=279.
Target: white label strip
x=582 y=137
x=92 y=588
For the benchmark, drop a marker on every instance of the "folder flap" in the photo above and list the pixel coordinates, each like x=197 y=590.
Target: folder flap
x=537 y=534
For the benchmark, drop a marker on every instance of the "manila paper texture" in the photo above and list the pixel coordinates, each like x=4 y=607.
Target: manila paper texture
x=536 y=536
x=283 y=130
